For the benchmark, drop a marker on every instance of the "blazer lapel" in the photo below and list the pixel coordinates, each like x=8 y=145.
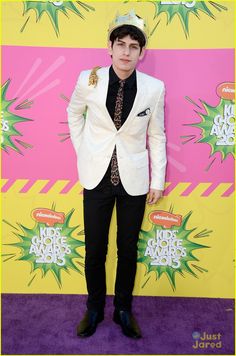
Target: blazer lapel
x=137 y=102
x=102 y=88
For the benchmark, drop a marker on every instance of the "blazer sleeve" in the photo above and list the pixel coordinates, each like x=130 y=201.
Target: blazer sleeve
x=157 y=144
x=76 y=110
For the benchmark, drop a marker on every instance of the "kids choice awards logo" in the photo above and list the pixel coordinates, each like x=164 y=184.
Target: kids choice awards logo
x=49 y=245
x=223 y=123
x=217 y=123
x=10 y=135
x=183 y=9
x=52 y=9
x=166 y=247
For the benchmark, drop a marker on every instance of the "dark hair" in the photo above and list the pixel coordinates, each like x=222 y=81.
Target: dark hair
x=126 y=30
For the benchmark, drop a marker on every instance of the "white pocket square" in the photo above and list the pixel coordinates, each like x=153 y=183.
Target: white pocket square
x=144 y=112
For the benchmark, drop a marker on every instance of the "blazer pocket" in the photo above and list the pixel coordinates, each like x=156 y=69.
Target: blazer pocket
x=144 y=113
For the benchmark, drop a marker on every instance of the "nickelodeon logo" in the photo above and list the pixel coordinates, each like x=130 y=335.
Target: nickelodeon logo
x=165 y=219
x=226 y=90
x=48 y=216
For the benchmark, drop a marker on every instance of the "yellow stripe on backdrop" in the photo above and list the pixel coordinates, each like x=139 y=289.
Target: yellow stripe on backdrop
x=214 y=268
x=91 y=31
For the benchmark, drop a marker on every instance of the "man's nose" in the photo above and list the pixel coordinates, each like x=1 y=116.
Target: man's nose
x=127 y=50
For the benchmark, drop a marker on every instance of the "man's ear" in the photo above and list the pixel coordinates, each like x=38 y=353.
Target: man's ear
x=142 y=53
x=109 y=46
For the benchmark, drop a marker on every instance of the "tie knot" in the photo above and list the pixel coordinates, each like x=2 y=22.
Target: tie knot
x=121 y=82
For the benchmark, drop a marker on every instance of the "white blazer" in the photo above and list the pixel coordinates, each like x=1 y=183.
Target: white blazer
x=140 y=142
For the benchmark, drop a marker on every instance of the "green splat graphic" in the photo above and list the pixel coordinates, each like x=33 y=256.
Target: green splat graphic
x=8 y=122
x=33 y=250
x=52 y=8
x=183 y=9
x=152 y=255
x=217 y=127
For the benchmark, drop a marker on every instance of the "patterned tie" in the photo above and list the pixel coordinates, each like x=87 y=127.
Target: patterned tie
x=115 y=177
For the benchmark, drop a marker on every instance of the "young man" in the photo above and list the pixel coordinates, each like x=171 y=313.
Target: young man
x=121 y=157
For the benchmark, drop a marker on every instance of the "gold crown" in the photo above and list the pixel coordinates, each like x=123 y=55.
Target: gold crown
x=129 y=19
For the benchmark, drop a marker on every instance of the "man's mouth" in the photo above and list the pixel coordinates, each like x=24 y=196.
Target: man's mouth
x=125 y=60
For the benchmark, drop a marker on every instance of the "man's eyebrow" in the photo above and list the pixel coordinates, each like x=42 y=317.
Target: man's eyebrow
x=131 y=44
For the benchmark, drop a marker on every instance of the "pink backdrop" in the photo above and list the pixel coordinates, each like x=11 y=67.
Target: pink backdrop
x=43 y=74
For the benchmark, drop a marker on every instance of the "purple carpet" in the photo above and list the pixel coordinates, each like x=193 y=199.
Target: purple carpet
x=46 y=324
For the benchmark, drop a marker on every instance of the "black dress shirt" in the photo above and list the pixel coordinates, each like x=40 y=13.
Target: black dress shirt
x=130 y=90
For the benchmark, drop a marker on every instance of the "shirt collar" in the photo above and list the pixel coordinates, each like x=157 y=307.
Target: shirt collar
x=113 y=78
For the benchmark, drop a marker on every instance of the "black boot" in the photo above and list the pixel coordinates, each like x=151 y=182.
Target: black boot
x=88 y=324
x=128 y=323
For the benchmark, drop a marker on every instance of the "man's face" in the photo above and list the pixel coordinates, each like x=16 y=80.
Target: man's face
x=125 y=54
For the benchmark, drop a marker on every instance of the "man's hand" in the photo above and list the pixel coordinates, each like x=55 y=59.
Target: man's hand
x=154 y=195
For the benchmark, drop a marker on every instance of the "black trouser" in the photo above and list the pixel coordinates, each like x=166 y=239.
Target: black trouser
x=98 y=207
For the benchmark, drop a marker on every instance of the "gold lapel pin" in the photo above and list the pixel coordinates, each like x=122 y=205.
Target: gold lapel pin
x=93 y=78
